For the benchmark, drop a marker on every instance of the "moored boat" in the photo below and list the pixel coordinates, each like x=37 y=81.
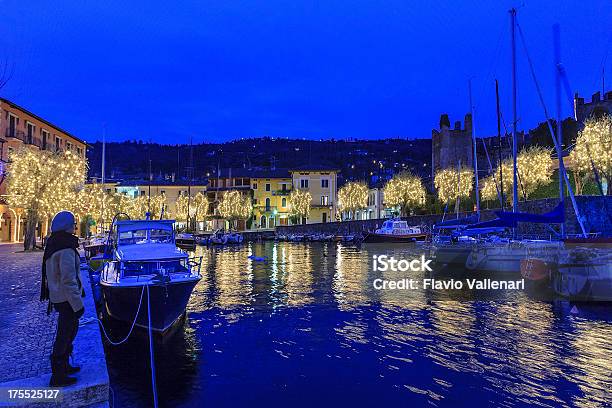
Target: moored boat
x=585 y=274
x=396 y=231
x=186 y=241
x=145 y=258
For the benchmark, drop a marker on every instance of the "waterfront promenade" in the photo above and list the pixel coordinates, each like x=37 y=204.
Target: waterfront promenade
x=26 y=334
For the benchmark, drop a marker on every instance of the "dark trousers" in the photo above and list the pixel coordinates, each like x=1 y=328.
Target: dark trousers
x=67 y=327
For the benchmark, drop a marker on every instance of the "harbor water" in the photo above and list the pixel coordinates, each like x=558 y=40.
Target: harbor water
x=301 y=325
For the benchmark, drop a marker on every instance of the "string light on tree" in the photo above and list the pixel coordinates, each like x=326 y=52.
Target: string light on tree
x=353 y=196
x=299 y=203
x=235 y=206
x=43 y=183
x=453 y=183
x=594 y=149
x=405 y=190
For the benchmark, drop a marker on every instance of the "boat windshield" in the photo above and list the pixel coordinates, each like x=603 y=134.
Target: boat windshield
x=143 y=236
x=155 y=267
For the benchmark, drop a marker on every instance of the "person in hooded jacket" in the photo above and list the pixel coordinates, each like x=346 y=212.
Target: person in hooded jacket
x=62 y=287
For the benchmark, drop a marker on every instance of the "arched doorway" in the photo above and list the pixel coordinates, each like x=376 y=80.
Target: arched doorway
x=262 y=224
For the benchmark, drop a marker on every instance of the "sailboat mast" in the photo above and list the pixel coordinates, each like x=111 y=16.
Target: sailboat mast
x=557 y=46
x=190 y=175
x=103 y=174
x=514 y=147
x=474 y=152
x=499 y=149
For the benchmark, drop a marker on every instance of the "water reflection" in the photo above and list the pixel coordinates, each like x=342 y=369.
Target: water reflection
x=301 y=324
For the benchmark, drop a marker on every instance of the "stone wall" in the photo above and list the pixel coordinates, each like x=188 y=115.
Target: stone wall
x=596 y=212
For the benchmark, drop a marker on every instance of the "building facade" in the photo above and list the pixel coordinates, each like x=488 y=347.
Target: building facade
x=227 y=180
x=322 y=183
x=18 y=128
x=271 y=189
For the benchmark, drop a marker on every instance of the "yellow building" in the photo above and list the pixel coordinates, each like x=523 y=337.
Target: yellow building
x=322 y=184
x=271 y=190
x=19 y=127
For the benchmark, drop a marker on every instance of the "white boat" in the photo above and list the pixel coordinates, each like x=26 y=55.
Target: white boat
x=145 y=257
x=396 y=231
x=585 y=274
x=505 y=255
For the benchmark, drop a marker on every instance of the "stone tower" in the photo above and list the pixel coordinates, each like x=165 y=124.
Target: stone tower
x=595 y=108
x=449 y=147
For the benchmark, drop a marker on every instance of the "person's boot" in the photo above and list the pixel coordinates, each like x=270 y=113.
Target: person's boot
x=70 y=369
x=59 y=376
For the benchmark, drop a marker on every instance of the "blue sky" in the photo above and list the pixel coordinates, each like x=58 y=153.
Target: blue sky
x=220 y=70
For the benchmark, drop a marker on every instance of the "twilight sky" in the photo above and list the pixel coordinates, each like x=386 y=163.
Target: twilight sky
x=217 y=70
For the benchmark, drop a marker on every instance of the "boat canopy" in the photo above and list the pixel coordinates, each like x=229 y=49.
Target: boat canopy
x=135 y=225
x=457 y=222
x=556 y=216
x=149 y=252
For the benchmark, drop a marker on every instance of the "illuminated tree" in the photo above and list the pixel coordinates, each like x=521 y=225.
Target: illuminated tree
x=299 y=203
x=197 y=207
x=488 y=187
x=535 y=169
x=94 y=201
x=234 y=206
x=43 y=183
x=353 y=196
x=452 y=183
x=404 y=190
x=593 y=150
x=534 y=166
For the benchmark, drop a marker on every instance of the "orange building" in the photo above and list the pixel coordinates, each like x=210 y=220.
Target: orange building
x=20 y=127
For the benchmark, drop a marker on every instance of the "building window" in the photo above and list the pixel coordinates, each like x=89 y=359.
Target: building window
x=45 y=137
x=58 y=144
x=68 y=146
x=267 y=186
x=268 y=204
x=254 y=186
x=324 y=183
x=163 y=191
x=284 y=202
x=324 y=200
x=142 y=193
x=304 y=183
x=79 y=152
x=30 y=132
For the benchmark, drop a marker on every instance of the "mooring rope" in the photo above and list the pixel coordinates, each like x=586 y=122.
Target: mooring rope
x=133 y=323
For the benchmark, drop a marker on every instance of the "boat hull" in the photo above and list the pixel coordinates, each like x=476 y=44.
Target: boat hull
x=380 y=238
x=168 y=303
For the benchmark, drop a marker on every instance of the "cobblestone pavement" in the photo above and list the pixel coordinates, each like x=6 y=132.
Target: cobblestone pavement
x=26 y=332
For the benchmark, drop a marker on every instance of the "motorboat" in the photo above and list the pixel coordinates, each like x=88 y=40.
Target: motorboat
x=95 y=246
x=145 y=258
x=186 y=241
x=234 y=238
x=396 y=231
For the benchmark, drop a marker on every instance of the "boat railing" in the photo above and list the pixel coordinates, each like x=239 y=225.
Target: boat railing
x=195 y=262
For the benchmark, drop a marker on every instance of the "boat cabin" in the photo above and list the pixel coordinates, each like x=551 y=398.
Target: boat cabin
x=397 y=227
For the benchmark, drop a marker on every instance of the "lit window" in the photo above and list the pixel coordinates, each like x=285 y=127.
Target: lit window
x=324 y=200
